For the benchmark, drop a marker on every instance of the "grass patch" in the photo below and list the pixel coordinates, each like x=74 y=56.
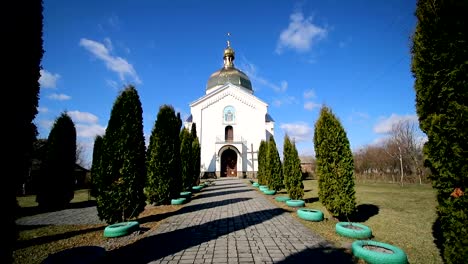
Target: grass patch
x=401 y=216
x=36 y=243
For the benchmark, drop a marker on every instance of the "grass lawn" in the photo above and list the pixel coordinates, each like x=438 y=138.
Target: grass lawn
x=401 y=216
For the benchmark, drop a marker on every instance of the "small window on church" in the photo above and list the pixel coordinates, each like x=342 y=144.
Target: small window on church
x=229 y=114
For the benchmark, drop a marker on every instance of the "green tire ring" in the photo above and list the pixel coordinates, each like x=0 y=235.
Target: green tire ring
x=282 y=198
x=263 y=187
x=121 y=229
x=178 y=201
x=255 y=184
x=295 y=203
x=310 y=214
x=375 y=257
x=197 y=188
x=185 y=194
x=363 y=231
x=269 y=192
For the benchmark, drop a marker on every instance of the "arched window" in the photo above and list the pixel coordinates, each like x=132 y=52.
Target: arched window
x=229 y=114
x=228 y=133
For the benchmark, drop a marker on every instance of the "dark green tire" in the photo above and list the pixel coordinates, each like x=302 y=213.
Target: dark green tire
x=269 y=192
x=398 y=256
x=178 y=201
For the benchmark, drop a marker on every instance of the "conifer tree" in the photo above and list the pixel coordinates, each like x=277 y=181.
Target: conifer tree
x=440 y=67
x=57 y=185
x=262 y=170
x=292 y=170
x=122 y=173
x=23 y=55
x=186 y=159
x=196 y=152
x=96 y=165
x=335 y=165
x=163 y=158
x=275 y=178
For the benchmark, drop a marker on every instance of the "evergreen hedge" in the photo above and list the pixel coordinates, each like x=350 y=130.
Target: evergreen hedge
x=292 y=170
x=121 y=175
x=440 y=67
x=57 y=185
x=335 y=165
x=163 y=158
x=186 y=160
x=262 y=170
x=275 y=177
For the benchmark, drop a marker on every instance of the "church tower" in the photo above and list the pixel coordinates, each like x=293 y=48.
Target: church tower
x=230 y=121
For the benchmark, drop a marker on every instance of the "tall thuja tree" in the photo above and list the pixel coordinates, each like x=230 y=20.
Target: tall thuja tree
x=292 y=170
x=186 y=159
x=262 y=171
x=335 y=165
x=440 y=67
x=163 y=158
x=57 y=183
x=196 y=152
x=275 y=178
x=96 y=166
x=23 y=55
x=121 y=174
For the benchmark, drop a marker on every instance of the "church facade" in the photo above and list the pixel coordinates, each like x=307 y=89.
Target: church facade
x=231 y=121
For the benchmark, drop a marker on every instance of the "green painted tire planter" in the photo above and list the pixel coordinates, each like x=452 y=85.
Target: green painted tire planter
x=263 y=187
x=255 y=184
x=121 y=229
x=178 y=201
x=295 y=203
x=357 y=230
x=197 y=188
x=310 y=214
x=374 y=252
x=186 y=195
x=269 y=192
x=282 y=199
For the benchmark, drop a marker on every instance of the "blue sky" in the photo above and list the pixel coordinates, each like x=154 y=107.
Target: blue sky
x=353 y=56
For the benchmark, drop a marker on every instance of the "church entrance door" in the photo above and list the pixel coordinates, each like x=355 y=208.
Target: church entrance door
x=229 y=163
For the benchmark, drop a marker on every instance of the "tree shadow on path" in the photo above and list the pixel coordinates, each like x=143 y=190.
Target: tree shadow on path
x=321 y=255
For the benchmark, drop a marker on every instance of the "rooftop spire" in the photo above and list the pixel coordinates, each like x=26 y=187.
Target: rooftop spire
x=228 y=54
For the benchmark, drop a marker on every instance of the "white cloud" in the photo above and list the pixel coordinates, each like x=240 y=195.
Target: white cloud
x=113 y=84
x=59 y=97
x=286 y=100
x=311 y=105
x=384 y=125
x=301 y=34
x=299 y=131
x=113 y=63
x=108 y=44
x=251 y=70
x=48 y=80
x=43 y=109
x=309 y=94
x=89 y=130
x=85 y=117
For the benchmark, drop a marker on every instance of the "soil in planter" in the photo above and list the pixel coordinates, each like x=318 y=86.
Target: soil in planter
x=353 y=227
x=378 y=249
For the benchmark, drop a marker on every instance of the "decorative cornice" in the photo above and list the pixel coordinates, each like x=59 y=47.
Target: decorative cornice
x=239 y=97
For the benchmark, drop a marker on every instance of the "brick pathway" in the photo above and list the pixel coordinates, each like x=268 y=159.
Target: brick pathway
x=230 y=222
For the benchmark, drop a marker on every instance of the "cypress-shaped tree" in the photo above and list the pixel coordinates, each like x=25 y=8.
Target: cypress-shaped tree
x=335 y=165
x=292 y=170
x=163 y=158
x=196 y=152
x=275 y=178
x=440 y=67
x=122 y=173
x=57 y=186
x=96 y=166
x=23 y=53
x=262 y=171
x=186 y=159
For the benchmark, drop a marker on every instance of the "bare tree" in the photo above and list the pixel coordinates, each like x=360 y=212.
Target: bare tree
x=405 y=145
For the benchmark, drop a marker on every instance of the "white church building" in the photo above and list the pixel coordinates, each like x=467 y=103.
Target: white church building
x=231 y=121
